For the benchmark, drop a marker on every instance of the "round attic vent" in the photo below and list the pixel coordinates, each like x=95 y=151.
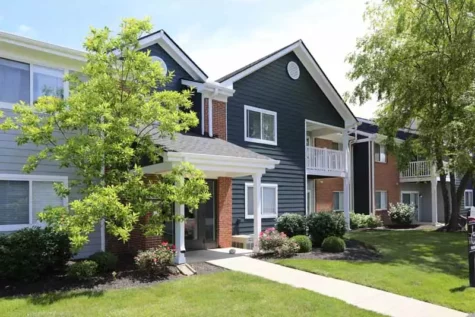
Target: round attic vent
x=162 y=62
x=293 y=70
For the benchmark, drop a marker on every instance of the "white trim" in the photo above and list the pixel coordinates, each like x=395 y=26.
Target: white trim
x=30 y=179
x=386 y=200
x=263 y=185
x=315 y=71
x=261 y=111
x=202 y=114
x=210 y=116
x=42 y=46
x=175 y=52
x=464 y=200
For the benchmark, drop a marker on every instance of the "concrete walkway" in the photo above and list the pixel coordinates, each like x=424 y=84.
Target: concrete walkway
x=354 y=294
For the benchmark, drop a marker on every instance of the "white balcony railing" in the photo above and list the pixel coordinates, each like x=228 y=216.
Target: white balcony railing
x=325 y=160
x=418 y=169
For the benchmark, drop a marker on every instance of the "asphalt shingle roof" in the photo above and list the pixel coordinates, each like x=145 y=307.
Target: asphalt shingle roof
x=199 y=144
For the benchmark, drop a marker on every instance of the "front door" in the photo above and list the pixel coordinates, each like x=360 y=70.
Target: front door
x=411 y=198
x=200 y=225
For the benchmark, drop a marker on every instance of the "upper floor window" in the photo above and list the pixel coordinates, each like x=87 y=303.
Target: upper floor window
x=380 y=153
x=260 y=125
x=337 y=146
x=25 y=82
x=468 y=198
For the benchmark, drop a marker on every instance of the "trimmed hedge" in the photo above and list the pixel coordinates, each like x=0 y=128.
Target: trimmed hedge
x=106 y=261
x=83 y=270
x=325 y=224
x=333 y=244
x=291 y=224
x=304 y=243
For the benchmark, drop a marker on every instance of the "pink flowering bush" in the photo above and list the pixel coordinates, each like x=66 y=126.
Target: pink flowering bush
x=287 y=249
x=155 y=261
x=270 y=239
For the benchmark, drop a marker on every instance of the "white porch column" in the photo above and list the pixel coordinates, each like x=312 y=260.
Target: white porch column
x=180 y=235
x=346 y=180
x=210 y=116
x=257 y=203
x=433 y=185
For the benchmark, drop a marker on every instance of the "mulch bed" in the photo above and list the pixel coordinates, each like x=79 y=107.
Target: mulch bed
x=124 y=279
x=355 y=251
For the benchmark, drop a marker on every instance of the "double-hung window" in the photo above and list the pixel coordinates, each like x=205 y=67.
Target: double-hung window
x=269 y=201
x=27 y=82
x=260 y=125
x=22 y=197
x=380 y=153
x=381 y=200
x=468 y=198
x=337 y=201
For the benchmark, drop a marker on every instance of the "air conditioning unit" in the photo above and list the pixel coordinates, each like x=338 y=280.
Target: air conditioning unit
x=243 y=241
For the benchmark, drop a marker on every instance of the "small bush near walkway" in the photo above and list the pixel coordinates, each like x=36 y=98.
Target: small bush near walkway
x=333 y=244
x=291 y=224
x=288 y=249
x=304 y=242
x=83 y=270
x=358 y=221
x=325 y=224
x=31 y=253
x=155 y=261
x=277 y=242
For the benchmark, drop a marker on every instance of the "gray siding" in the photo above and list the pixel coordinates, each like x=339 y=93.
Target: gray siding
x=12 y=159
x=294 y=101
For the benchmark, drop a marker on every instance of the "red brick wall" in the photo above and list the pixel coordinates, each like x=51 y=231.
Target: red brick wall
x=224 y=198
x=219 y=119
x=386 y=177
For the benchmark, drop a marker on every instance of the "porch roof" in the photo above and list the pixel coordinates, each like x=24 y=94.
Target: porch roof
x=215 y=157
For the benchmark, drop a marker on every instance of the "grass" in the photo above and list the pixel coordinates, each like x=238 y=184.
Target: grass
x=219 y=294
x=426 y=265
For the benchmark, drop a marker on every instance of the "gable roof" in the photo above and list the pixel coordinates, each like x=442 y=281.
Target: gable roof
x=312 y=67
x=176 y=52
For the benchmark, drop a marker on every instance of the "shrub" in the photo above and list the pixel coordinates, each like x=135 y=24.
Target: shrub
x=291 y=224
x=357 y=220
x=325 y=224
x=270 y=239
x=401 y=214
x=287 y=249
x=30 y=253
x=83 y=270
x=374 y=221
x=155 y=261
x=106 y=261
x=304 y=243
x=333 y=244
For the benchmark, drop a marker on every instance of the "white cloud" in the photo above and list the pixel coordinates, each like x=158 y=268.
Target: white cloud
x=25 y=30
x=328 y=28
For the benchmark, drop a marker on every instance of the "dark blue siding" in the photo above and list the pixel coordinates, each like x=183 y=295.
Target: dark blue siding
x=294 y=101
x=361 y=177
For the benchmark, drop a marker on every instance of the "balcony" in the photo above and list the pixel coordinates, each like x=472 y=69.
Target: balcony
x=325 y=162
x=417 y=170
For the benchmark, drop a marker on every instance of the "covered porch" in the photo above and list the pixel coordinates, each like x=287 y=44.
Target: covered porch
x=220 y=161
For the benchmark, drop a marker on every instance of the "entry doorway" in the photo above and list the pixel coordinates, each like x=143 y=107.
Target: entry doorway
x=200 y=225
x=411 y=198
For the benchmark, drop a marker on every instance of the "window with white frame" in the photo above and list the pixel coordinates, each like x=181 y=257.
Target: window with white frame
x=260 y=125
x=468 y=198
x=27 y=82
x=338 y=201
x=337 y=146
x=381 y=200
x=380 y=153
x=269 y=201
x=22 y=198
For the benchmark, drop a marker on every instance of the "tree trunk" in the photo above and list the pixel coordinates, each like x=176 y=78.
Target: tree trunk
x=456 y=197
x=445 y=192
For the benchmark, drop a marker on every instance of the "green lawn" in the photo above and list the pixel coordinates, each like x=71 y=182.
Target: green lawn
x=220 y=294
x=430 y=266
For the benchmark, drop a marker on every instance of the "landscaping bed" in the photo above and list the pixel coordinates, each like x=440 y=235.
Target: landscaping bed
x=127 y=277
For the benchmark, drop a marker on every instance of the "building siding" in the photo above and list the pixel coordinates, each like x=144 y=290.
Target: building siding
x=361 y=178
x=294 y=101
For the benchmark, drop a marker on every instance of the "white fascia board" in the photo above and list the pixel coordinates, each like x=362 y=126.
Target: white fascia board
x=42 y=46
x=210 y=89
x=222 y=160
x=167 y=44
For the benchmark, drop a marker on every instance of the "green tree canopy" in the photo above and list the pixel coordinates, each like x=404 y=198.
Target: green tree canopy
x=418 y=60
x=117 y=105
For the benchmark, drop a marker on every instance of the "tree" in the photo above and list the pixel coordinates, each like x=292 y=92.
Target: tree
x=105 y=129
x=418 y=60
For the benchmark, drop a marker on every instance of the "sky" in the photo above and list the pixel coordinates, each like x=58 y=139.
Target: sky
x=219 y=35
